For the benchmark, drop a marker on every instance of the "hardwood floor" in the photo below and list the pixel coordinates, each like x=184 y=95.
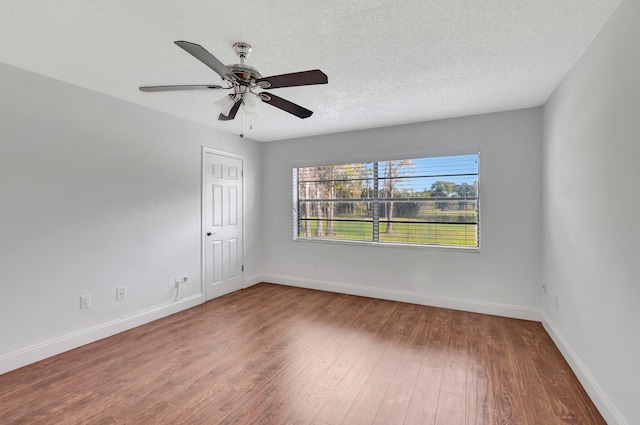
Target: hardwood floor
x=281 y=355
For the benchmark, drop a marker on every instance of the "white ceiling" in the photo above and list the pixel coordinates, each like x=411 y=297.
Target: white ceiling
x=388 y=62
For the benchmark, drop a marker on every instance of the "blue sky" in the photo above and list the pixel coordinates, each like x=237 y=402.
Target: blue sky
x=459 y=164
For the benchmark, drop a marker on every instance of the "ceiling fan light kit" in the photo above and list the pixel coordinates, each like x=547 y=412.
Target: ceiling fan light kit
x=224 y=104
x=244 y=80
x=252 y=103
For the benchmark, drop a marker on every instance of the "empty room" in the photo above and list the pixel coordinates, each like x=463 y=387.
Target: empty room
x=319 y=213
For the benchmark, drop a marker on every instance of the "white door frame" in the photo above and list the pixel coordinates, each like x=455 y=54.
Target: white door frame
x=203 y=237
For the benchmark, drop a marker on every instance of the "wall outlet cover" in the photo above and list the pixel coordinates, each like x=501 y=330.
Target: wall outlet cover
x=85 y=301
x=121 y=293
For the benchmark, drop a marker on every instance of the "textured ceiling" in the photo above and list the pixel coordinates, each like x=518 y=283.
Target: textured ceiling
x=388 y=62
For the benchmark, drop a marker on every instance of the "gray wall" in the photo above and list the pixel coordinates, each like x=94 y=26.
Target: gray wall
x=503 y=278
x=97 y=193
x=591 y=211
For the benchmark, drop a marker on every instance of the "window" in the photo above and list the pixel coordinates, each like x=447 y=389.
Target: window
x=419 y=201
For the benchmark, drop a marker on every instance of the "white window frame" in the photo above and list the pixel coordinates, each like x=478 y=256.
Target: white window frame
x=376 y=200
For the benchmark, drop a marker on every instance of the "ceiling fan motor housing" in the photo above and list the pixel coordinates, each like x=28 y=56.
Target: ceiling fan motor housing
x=245 y=72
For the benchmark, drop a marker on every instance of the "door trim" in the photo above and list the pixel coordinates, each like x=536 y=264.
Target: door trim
x=203 y=186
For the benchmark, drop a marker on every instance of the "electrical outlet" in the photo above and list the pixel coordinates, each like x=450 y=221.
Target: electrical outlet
x=178 y=281
x=121 y=293
x=85 y=301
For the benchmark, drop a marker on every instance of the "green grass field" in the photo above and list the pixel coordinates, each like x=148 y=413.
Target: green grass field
x=410 y=233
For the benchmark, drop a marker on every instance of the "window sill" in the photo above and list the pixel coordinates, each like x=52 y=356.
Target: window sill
x=390 y=245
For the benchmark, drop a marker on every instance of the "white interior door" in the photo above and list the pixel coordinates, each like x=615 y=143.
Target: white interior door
x=222 y=223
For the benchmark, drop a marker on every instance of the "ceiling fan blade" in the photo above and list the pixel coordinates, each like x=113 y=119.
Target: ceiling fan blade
x=232 y=112
x=285 y=105
x=303 y=78
x=182 y=87
x=208 y=59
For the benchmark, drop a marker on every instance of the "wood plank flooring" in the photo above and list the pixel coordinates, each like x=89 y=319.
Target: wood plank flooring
x=280 y=355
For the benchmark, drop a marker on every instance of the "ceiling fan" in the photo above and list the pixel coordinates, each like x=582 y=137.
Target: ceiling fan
x=244 y=81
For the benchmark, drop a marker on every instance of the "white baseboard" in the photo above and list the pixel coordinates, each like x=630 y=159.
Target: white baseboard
x=252 y=280
x=32 y=354
x=598 y=396
x=496 y=309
